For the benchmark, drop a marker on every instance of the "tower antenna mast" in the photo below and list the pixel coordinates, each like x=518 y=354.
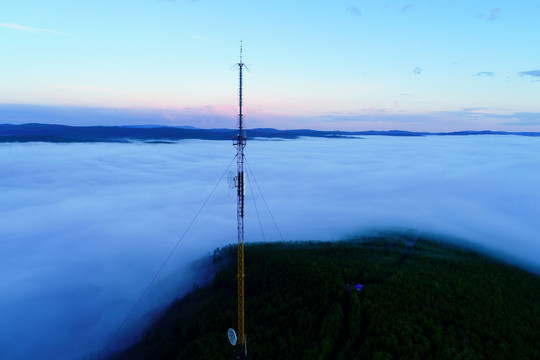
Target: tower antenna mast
x=240 y=144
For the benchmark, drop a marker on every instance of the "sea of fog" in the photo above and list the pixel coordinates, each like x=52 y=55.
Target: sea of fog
x=85 y=227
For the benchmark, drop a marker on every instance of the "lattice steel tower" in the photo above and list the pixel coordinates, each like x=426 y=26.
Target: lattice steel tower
x=240 y=144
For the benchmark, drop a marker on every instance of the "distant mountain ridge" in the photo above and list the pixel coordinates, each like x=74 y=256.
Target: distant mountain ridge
x=35 y=132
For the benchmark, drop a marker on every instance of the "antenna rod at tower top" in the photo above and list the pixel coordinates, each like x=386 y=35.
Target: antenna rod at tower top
x=240 y=115
x=241 y=50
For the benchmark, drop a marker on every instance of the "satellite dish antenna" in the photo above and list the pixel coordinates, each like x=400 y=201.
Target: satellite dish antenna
x=231 y=179
x=232 y=337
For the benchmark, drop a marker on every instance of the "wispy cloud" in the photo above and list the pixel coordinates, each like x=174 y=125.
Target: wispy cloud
x=90 y=88
x=494 y=14
x=485 y=73
x=197 y=37
x=406 y=8
x=354 y=10
x=522 y=118
x=484 y=113
x=202 y=117
x=30 y=29
x=175 y=1
x=470 y=118
x=374 y=118
x=476 y=109
x=535 y=73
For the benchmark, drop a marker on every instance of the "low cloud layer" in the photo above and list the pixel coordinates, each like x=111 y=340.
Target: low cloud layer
x=208 y=117
x=86 y=226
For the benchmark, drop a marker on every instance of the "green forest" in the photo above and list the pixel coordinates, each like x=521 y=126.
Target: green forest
x=421 y=299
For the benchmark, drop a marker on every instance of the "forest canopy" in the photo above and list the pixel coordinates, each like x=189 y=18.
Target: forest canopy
x=420 y=299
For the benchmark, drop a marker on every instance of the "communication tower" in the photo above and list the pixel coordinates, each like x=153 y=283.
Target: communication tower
x=240 y=143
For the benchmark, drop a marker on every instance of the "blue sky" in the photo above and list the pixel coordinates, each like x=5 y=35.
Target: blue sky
x=350 y=65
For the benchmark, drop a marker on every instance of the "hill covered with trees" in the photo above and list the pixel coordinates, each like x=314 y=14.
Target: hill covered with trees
x=35 y=132
x=420 y=300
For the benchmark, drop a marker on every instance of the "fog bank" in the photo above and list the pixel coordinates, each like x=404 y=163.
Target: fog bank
x=86 y=226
